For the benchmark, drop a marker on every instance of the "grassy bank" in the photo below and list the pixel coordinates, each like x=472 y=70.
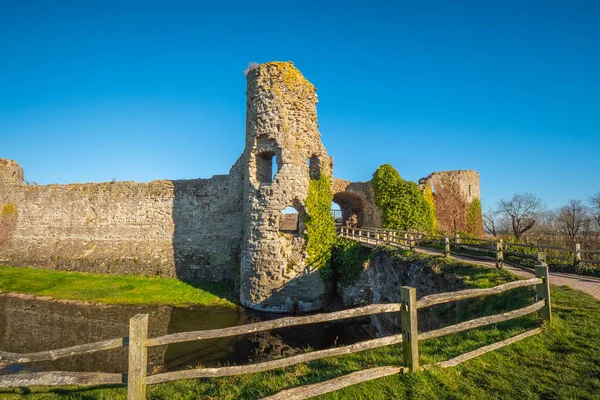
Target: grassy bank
x=561 y=363
x=111 y=289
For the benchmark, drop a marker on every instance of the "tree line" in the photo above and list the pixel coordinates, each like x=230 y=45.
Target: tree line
x=525 y=217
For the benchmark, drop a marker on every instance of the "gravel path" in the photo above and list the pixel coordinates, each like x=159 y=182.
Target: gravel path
x=587 y=284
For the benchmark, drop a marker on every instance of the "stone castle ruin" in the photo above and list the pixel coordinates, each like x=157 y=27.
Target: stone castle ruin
x=226 y=228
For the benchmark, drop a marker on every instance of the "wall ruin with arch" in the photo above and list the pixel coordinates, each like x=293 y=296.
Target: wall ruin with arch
x=225 y=228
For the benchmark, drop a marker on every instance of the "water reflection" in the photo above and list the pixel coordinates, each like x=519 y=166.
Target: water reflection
x=28 y=325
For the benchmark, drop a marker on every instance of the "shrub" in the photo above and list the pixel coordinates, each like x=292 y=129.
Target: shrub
x=474 y=222
x=347 y=260
x=403 y=205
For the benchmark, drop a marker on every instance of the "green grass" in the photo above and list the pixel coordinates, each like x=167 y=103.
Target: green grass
x=561 y=363
x=112 y=289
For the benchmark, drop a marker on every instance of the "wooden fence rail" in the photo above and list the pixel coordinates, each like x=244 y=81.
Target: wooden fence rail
x=137 y=378
x=51 y=355
x=412 y=239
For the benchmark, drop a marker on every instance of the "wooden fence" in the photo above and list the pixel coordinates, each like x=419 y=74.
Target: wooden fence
x=485 y=249
x=137 y=378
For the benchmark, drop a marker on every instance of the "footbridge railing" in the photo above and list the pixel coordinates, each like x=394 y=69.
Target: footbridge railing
x=498 y=251
x=137 y=378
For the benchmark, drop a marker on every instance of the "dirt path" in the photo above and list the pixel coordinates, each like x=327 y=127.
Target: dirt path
x=587 y=284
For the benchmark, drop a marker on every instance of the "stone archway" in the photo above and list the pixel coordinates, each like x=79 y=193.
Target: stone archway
x=352 y=206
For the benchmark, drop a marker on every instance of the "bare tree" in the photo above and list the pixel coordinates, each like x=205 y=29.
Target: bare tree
x=489 y=221
x=595 y=204
x=522 y=210
x=572 y=219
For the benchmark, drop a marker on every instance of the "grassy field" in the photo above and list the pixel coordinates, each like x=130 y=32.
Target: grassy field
x=111 y=289
x=561 y=363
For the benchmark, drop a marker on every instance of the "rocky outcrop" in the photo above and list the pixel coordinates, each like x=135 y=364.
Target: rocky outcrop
x=383 y=275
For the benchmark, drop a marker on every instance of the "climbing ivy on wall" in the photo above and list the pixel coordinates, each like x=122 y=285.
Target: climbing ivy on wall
x=320 y=226
x=430 y=201
x=347 y=261
x=474 y=224
x=401 y=202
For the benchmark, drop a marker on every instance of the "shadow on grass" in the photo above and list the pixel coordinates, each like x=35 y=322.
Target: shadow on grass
x=225 y=291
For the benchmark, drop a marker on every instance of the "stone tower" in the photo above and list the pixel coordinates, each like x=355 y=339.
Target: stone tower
x=454 y=192
x=283 y=152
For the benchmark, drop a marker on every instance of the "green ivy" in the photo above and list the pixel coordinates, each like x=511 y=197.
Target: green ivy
x=474 y=227
x=403 y=205
x=320 y=231
x=430 y=201
x=347 y=260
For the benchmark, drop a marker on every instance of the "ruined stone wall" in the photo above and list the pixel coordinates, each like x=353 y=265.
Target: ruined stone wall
x=10 y=173
x=288 y=222
x=281 y=122
x=453 y=191
x=217 y=229
x=189 y=229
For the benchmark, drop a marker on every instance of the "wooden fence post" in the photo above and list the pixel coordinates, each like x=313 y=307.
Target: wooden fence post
x=138 y=357
x=406 y=239
x=457 y=238
x=577 y=255
x=499 y=253
x=541 y=257
x=410 y=334
x=412 y=242
x=446 y=247
x=543 y=291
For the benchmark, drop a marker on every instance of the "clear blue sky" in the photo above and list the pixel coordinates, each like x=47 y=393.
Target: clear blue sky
x=96 y=90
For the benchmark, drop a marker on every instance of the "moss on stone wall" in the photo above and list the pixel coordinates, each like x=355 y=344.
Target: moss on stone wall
x=403 y=205
x=8 y=220
x=320 y=226
x=292 y=77
x=8 y=210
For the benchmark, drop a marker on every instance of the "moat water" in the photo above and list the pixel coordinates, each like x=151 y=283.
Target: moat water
x=28 y=325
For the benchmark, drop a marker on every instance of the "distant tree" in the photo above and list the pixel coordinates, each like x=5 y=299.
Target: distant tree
x=572 y=219
x=546 y=229
x=595 y=208
x=489 y=221
x=522 y=210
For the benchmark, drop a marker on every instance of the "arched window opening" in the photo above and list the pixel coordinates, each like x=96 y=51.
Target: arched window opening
x=314 y=167
x=266 y=167
x=336 y=212
x=289 y=221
